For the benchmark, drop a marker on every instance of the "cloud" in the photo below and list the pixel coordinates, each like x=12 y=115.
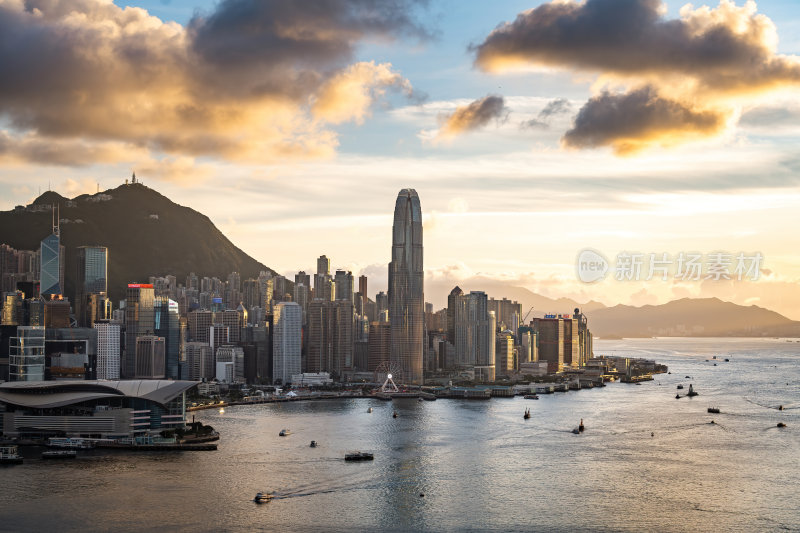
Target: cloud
x=632 y=121
x=551 y=109
x=708 y=61
x=249 y=81
x=473 y=116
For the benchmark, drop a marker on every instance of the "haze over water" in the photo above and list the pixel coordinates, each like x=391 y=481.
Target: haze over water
x=479 y=465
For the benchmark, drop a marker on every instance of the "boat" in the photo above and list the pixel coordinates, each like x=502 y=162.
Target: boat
x=71 y=443
x=369 y=410
x=677 y=396
x=60 y=454
x=358 y=456
x=713 y=410
x=691 y=392
x=313 y=444
x=531 y=396
x=781 y=425
x=580 y=426
x=262 y=497
x=394 y=414
x=680 y=386
x=527 y=414
x=284 y=433
x=9 y=456
x=727 y=360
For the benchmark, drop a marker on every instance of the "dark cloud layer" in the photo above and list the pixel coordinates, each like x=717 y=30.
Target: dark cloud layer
x=628 y=122
x=474 y=116
x=706 y=59
x=251 y=79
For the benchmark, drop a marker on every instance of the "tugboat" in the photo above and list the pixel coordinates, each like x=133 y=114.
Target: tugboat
x=527 y=414
x=263 y=497
x=358 y=456
x=691 y=392
x=313 y=444
x=284 y=433
x=9 y=456
x=580 y=426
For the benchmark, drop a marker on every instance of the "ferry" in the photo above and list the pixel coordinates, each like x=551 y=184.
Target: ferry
x=713 y=409
x=71 y=443
x=531 y=397
x=358 y=456
x=9 y=456
x=60 y=454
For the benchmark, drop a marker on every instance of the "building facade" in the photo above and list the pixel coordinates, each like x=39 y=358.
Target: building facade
x=286 y=341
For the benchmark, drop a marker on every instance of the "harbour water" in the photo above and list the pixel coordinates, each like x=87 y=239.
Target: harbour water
x=647 y=461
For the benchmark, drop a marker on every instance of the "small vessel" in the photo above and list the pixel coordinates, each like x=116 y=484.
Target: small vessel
x=713 y=410
x=262 y=497
x=284 y=433
x=691 y=392
x=677 y=396
x=358 y=456
x=576 y=431
x=580 y=426
x=688 y=377
x=313 y=444
x=531 y=396
x=60 y=454
x=369 y=410
x=527 y=414
x=680 y=386
x=70 y=443
x=394 y=414
x=9 y=456
x=727 y=360
x=780 y=408
x=781 y=425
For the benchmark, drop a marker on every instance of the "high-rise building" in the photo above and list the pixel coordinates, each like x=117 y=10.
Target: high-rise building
x=508 y=313
x=286 y=341
x=504 y=353
x=50 y=273
x=139 y=321
x=474 y=327
x=199 y=361
x=344 y=285
x=301 y=298
x=451 y=314
x=362 y=289
x=92 y=278
x=168 y=325
x=330 y=336
x=26 y=354
x=199 y=322
x=108 y=345
x=149 y=359
x=406 y=279
x=562 y=340
x=324 y=287
x=378 y=345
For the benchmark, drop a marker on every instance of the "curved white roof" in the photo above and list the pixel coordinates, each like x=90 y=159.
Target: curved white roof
x=45 y=394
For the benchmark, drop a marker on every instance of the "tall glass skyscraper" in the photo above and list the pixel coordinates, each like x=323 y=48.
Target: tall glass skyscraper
x=139 y=321
x=167 y=325
x=406 y=277
x=50 y=273
x=92 y=279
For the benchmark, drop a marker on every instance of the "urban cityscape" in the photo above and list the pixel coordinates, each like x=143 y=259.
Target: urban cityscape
x=401 y=265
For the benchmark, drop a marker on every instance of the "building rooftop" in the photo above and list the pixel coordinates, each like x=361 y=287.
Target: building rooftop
x=48 y=394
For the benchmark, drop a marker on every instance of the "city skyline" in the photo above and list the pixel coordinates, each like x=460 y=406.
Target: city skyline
x=492 y=172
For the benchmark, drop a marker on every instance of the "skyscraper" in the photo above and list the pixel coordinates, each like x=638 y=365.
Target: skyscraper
x=50 y=264
x=406 y=277
x=167 y=325
x=286 y=341
x=139 y=320
x=92 y=279
x=107 y=349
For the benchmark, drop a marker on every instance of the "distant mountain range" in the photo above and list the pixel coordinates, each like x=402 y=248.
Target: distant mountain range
x=146 y=234
x=698 y=317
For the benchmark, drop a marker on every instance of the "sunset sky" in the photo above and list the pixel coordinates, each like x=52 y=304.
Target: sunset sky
x=531 y=130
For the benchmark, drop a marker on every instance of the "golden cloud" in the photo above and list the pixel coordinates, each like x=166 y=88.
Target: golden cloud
x=251 y=81
x=472 y=116
x=677 y=80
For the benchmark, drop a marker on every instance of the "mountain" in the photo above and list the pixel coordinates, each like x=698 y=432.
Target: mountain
x=697 y=317
x=146 y=234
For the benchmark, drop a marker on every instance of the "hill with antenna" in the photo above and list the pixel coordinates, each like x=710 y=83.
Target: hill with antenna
x=145 y=232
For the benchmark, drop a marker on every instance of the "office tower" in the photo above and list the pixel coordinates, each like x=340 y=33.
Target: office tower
x=451 y=314
x=51 y=261
x=218 y=335
x=382 y=302
x=139 y=321
x=344 y=285
x=266 y=291
x=150 y=358
x=302 y=277
x=301 y=297
x=324 y=287
x=286 y=341
x=13 y=312
x=26 y=357
x=562 y=340
x=330 y=336
x=199 y=322
x=92 y=279
x=108 y=347
x=378 y=345
x=406 y=278
x=192 y=282
x=233 y=355
x=167 y=322
x=474 y=327
x=199 y=361
x=504 y=353
x=56 y=313
x=362 y=288
x=508 y=313
x=234 y=320
x=250 y=293
x=280 y=288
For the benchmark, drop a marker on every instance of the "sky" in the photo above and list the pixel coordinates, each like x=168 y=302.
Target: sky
x=531 y=130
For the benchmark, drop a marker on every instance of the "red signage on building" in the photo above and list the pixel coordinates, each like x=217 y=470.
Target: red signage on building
x=140 y=285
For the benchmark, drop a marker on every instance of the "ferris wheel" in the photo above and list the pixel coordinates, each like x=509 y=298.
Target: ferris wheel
x=390 y=373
